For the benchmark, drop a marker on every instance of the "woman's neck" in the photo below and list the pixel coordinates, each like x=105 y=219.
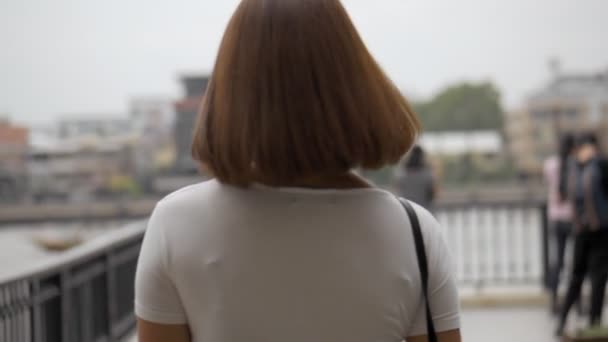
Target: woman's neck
x=346 y=180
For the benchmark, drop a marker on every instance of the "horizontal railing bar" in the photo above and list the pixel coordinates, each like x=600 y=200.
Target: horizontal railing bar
x=499 y=281
x=87 y=274
x=94 y=248
x=46 y=294
x=126 y=256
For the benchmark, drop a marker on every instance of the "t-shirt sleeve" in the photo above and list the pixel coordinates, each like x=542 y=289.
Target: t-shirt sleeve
x=156 y=297
x=443 y=292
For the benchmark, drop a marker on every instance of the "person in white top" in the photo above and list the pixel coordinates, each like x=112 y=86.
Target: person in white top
x=287 y=243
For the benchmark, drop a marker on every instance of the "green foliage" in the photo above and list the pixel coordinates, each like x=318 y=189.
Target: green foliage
x=462 y=107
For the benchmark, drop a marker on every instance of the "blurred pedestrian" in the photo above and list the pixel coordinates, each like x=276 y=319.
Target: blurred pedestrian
x=590 y=200
x=559 y=209
x=417 y=182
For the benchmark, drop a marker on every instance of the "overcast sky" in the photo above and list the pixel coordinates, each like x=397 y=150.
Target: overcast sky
x=84 y=57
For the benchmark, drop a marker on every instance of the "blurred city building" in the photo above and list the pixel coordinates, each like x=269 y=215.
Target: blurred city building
x=14 y=141
x=569 y=103
x=151 y=116
x=82 y=158
x=186 y=111
x=483 y=142
x=521 y=142
x=92 y=130
x=152 y=120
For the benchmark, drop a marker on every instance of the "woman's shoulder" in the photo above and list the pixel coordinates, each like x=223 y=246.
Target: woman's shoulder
x=188 y=200
x=430 y=227
x=425 y=217
x=190 y=191
x=189 y=211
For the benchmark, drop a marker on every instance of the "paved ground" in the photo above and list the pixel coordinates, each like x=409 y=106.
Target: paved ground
x=507 y=325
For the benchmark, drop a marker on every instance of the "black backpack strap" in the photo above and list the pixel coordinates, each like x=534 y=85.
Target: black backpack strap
x=422 y=265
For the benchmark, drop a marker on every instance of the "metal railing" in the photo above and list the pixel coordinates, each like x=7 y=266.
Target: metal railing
x=497 y=243
x=87 y=294
x=84 y=295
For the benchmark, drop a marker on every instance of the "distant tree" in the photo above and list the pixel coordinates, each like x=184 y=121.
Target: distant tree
x=462 y=107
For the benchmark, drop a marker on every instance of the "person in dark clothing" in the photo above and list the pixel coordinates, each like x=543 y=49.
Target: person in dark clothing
x=559 y=209
x=417 y=182
x=591 y=230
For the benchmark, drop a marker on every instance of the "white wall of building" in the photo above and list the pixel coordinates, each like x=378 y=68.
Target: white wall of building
x=459 y=143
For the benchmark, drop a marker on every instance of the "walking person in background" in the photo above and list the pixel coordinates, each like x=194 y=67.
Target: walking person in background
x=287 y=243
x=559 y=210
x=590 y=202
x=417 y=181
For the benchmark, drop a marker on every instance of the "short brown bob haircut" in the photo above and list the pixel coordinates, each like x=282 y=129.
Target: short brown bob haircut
x=296 y=94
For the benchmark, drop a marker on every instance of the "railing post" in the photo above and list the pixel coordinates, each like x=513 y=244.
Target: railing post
x=545 y=246
x=4 y=314
x=36 y=312
x=66 y=307
x=87 y=304
x=111 y=288
x=26 y=301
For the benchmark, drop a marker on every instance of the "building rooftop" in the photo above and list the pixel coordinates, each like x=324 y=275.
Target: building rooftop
x=575 y=86
x=12 y=134
x=195 y=85
x=51 y=142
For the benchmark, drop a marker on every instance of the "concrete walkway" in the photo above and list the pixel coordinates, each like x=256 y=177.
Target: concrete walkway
x=507 y=325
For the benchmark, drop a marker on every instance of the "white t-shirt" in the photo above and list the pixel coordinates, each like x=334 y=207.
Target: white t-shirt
x=268 y=264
